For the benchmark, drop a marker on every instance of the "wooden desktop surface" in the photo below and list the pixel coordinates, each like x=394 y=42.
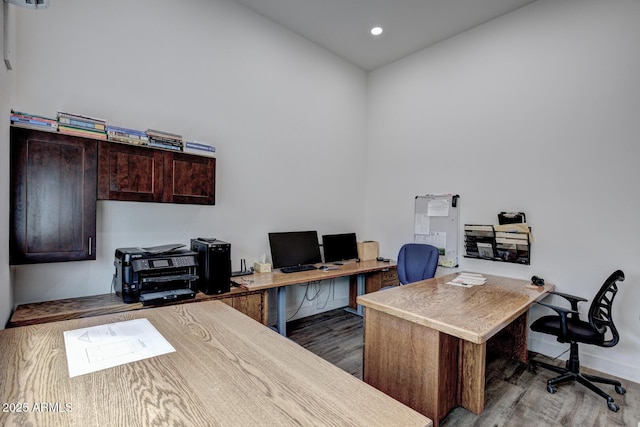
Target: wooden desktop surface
x=276 y=278
x=473 y=313
x=227 y=370
x=94 y=305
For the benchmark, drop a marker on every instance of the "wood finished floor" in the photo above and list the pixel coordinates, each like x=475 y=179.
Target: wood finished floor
x=513 y=397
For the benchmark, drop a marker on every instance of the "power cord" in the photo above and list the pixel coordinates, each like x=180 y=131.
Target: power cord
x=306 y=296
x=329 y=292
x=554 y=358
x=113 y=284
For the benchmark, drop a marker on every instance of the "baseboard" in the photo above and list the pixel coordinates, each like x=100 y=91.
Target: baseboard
x=587 y=359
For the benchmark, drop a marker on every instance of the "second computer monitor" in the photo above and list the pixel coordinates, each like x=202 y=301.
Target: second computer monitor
x=339 y=247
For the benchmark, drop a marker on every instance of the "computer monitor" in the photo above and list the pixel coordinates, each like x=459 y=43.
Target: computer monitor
x=294 y=248
x=338 y=247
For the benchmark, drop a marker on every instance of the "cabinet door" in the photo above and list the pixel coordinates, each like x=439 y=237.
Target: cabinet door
x=189 y=179
x=53 y=197
x=127 y=172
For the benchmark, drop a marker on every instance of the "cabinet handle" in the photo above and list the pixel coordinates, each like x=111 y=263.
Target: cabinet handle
x=90 y=245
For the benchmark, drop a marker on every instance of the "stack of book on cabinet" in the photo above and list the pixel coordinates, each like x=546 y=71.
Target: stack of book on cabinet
x=33 y=121
x=166 y=140
x=126 y=135
x=79 y=125
x=199 y=148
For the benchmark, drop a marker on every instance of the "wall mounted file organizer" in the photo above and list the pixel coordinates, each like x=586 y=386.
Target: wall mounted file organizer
x=507 y=243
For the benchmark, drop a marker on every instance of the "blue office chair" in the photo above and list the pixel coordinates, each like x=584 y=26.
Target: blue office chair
x=417 y=262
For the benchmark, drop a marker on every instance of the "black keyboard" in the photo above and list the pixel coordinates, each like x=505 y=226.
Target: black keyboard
x=296 y=268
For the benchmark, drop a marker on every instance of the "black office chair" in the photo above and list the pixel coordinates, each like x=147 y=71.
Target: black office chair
x=568 y=328
x=417 y=261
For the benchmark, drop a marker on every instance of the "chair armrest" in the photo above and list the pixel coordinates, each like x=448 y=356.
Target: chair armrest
x=564 y=313
x=560 y=310
x=574 y=300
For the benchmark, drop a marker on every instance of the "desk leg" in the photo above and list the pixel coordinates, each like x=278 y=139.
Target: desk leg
x=471 y=377
x=415 y=365
x=281 y=310
x=360 y=290
x=360 y=286
x=509 y=342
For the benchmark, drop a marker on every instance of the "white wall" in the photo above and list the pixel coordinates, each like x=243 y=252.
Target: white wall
x=287 y=119
x=537 y=111
x=6 y=96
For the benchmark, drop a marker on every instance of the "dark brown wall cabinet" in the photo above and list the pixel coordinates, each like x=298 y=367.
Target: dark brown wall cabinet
x=127 y=172
x=53 y=197
x=56 y=180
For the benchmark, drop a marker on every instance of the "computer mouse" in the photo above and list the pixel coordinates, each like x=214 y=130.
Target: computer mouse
x=323 y=267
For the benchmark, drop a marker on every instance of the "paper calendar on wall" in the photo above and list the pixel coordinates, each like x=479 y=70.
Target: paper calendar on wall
x=437 y=224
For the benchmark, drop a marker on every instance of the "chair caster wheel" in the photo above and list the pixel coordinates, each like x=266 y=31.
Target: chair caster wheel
x=532 y=367
x=620 y=389
x=613 y=406
x=551 y=388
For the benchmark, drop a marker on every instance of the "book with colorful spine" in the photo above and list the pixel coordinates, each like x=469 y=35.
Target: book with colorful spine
x=199 y=148
x=81 y=125
x=75 y=131
x=33 y=121
x=126 y=135
x=163 y=139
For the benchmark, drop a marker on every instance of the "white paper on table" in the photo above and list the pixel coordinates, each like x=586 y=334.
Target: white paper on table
x=468 y=279
x=105 y=346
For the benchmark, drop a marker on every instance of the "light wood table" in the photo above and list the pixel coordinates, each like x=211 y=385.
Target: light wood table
x=227 y=370
x=280 y=281
x=425 y=343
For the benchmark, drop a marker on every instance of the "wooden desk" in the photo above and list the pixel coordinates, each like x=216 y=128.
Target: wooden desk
x=279 y=280
x=227 y=370
x=425 y=344
x=253 y=304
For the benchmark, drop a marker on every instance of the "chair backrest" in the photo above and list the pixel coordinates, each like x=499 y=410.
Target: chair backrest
x=417 y=262
x=600 y=316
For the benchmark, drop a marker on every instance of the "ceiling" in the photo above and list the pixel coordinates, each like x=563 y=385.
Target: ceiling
x=342 y=26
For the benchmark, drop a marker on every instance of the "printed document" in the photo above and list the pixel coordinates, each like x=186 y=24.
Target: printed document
x=105 y=346
x=438 y=207
x=468 y=279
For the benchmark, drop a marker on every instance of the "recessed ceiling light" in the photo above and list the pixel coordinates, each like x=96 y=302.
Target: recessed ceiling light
x=376 y=31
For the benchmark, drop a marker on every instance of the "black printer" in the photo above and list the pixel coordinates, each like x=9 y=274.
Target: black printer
x=155 y=275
